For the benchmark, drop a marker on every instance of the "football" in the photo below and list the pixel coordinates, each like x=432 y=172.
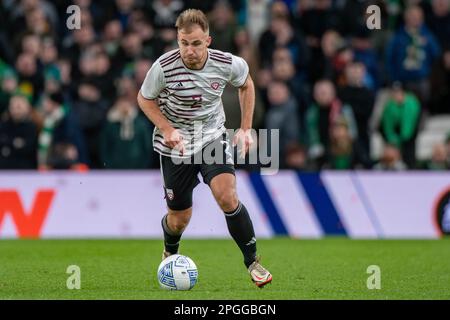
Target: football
x=177 y=272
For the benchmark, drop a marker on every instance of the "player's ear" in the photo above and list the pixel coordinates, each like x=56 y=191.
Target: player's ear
x=208 y=41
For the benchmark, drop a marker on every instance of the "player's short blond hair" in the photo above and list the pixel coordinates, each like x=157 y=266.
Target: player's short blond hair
x=191 y=17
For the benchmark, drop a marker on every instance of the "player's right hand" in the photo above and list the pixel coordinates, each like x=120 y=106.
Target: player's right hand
x=174 y=140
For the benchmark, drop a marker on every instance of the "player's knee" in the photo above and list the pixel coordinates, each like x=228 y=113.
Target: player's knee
x=228 y=200
x=179 y=221
x=178 y=226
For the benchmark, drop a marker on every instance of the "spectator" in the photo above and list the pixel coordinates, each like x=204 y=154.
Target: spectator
x=283 y=69
x=48 y=53
x=141 y=68
x=447 y=148
x=223 y=27
x=95 y=68
x=124 y=10
x=31 y=80
x=343 y=153
x=18 y=136
x=361 y=100
x=205 y=6
x=34 y=11
x=8 y=85
x=125 y=138
x=112 y=34
x=230 y=100
x=399 y=122
x=48 y=57
x=90 y=109
x=59 y=126
x=52 y=80
x=246 y=50
x=77 y=42
x=65 y=71
x=344 y=55
x=130 y=50
x=364 y=52
x=324 y=111
x=319 y=23
x=439 y=158
x=164 y=13
x=31 y=43
x=439 y=21
x=391 y=160
x=257 y=12
x=152 y=44
x=37 y=21
x=103 y=76
x=315 y=21
x=63 y=156
x=411 y=53
x=353 y=16
x=126 y=86
x=281 y=34
x=92 y=13
x=283 y=115
x=440 y=85
x=296 y=156
x=321 y=64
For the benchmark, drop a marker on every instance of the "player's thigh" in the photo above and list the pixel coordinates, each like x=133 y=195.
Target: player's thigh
x=219 y=174
x=180 y=179
x=222 y=181
x=217 y=160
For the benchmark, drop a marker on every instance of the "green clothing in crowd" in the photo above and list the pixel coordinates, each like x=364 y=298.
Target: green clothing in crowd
x=399 y=121
x=126 y=151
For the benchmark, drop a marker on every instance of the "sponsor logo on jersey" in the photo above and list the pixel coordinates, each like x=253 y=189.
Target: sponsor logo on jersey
x=215 y=85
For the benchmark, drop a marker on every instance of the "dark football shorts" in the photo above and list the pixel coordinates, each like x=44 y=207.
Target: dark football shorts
x=180 y=179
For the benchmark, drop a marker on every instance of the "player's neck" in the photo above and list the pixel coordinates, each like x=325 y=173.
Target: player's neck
x=197 y=66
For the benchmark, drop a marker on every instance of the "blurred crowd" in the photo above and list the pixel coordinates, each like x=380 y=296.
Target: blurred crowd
x=326 y=81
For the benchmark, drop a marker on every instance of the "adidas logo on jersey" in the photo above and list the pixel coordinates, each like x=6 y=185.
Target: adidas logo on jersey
x=180 y=84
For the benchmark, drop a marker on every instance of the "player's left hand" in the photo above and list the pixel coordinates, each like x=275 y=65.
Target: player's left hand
x=243 y=138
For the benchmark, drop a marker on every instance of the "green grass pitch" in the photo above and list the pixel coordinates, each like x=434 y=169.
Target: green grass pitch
x=330 y=268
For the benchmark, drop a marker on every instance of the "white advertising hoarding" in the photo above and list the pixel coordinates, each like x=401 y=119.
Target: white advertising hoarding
x=129 y=204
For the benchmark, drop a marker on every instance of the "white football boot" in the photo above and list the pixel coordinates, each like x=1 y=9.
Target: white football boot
x=260 y=276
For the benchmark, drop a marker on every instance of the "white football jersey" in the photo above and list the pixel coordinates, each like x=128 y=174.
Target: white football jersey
x=191 y=99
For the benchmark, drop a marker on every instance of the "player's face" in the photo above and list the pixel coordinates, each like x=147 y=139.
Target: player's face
x=193 y=46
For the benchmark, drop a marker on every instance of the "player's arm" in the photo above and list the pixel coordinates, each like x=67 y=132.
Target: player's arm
x=151 y=109
x=247 y=103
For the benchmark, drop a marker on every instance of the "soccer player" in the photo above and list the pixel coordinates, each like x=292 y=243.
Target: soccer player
x=182 y=89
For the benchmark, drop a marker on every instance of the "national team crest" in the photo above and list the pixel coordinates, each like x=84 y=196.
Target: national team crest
x=215 y=85
x=170 y=194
